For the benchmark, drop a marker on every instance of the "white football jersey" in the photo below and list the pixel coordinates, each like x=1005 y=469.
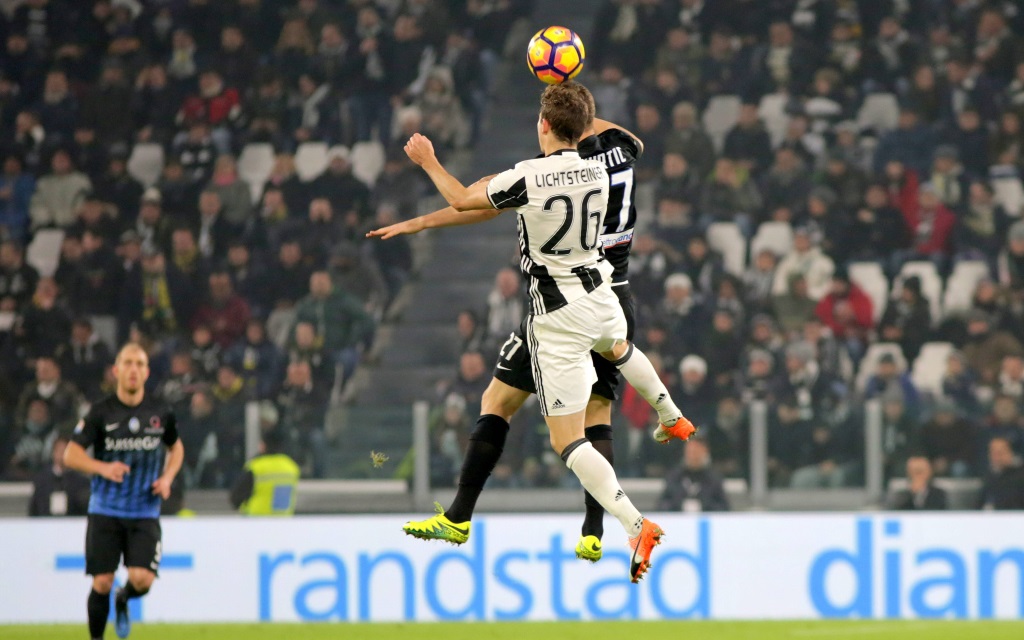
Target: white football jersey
x=560 y=200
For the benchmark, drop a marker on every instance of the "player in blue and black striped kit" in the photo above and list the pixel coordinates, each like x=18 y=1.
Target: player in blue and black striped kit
x=136 y=455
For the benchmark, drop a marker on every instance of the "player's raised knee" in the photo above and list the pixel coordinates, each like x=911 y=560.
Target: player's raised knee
x=141 y=579
x=502 y=400
x=103 y=583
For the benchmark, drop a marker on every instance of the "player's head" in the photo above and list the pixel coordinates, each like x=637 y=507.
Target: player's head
x=564 y=115
x=585 y=95
x=131 y=368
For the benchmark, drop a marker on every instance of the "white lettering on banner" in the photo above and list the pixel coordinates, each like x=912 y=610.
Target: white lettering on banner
x=146 y=443
x=518 y=567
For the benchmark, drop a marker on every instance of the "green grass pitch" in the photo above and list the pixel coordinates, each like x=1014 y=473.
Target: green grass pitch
x=883 y=630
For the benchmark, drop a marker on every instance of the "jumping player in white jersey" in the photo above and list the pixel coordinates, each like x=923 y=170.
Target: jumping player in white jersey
x=560 y=201
x=513 y=380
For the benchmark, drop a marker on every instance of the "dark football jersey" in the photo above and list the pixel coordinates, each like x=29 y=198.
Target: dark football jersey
x=619 y=151
x=135 y=436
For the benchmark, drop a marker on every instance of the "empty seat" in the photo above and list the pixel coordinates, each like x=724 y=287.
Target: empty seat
x=869 y=362
x=254 y=166
x=777 y=237
x=961 y=285
x=870 y=277
x=930 y=366
x=772 y=112
x=880 y=111
x=367 y=161
x=931 y=284
x=720 y=116
x=146 y=163
x=310 y=160
x=1009 y=191
x=727 y=239
x=43 y=252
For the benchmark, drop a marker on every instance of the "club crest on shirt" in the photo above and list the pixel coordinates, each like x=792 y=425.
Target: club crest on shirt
x=155 y=426
x=134 y=425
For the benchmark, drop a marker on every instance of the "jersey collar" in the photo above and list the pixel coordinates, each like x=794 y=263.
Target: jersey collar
x=562 y=152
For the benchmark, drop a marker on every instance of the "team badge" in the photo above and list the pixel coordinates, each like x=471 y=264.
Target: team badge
x=134 y=425
x=154 y=422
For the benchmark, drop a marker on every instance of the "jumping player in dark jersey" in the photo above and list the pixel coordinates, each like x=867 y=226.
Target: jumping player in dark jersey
x=513 y=379
x=131 y=476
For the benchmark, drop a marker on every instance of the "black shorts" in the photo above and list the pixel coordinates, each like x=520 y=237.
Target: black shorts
x=107 y=539
x=514 y=369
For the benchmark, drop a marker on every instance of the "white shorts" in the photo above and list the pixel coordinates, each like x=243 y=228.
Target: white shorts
x=560 y=344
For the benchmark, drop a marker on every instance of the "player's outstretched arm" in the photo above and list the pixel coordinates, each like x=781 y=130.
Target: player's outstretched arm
x=75 y=457
x=600 y=126
x=421 y=151
x=175 y=458
x=447 y=217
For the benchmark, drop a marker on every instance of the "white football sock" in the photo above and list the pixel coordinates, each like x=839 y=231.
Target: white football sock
x=598 y=477
x=639 y=372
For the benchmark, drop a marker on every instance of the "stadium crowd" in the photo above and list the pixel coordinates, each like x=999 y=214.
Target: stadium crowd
x=161 y=150
x=829 y=207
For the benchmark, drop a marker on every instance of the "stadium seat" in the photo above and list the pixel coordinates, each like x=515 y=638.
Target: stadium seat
x=254 y=166
x=870 y=361
x=310 y=160
x=777 y=237
x=931 y=284
x=719 y=116
x=367 y=161
x=772 y=112
x=961 y=285
x=880 y=112
x=1009 y=191
x=146 y=162
x=870 y=277
x=930 y=366
x=727 y=239
x=105 y=328
x=43 y=252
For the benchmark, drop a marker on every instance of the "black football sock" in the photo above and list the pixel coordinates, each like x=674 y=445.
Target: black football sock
x=485 y=446
x=600 y=436
x=99 y=611
x=131 y=592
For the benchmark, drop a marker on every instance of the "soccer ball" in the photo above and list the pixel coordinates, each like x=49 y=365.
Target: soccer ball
x=555 y=55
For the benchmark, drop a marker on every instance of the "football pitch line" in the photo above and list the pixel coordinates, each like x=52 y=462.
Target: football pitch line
x=774 y=630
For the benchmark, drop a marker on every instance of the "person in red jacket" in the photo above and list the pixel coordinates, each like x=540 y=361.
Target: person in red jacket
x=930 y=225
x=224 y=312
x=216 y=105
x=847 y=311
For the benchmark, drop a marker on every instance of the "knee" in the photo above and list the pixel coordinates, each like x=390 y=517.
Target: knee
x=559 y=443
x=103 y=583
x=499 y=403
x=141 y=580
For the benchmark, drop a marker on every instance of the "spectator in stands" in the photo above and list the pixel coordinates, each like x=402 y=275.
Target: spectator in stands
x=1004 y=485
x=69 y=264
x=235 y=58
x=504 y=305
x=947 y=176
x=58 y=193
x=345 y=193
x=356 y=273
x=682 y=313
x=921 y=493
x=721 y=347
x=470 y=381
x=787 y=182
x=846 y=311
x=230 y=395
x=1011 y=259
x=970 y=139
x=1011 y=378
x=677 y=178
x=930 y=225
x=225 y=312
x=302 y=418
x=758 y=280
x=748 y=141
x=117 y=187
x=730 y=195
x=158 y=298
x=908 y=319
x=911 y=143
x=1004 y=422
x=60 y=398
x=267 y=485
x=826 y=222
x=793 y=307
x=18 y=279
x=234 y=194
x=199 y=435
x=57 y=490
x=790 y=441
x=84 y=358
x=338 y=317
x=807 y=260
x=100 y=277
x=695 y=390
x=215 y=232
x=257 y=360
x=694 y=486
x=57 y=108
x=814 y=393
x=987 y=346
x=983 y=225
x=949 y=441
x=180 y=383
x=899 y=431
x=32 y=441
x=443 y=119
x=195 y=152
x=702 y=265
x=206 y=353
x=689 y=139
x=306 y=346
x=395 y=259
x=44 y=325
x=155 y=105
x=887 y=378
x=846 y=180
x=650 y=129
x=16 y=189
x=471 y=332
x=450 y=426
x=216 y=105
